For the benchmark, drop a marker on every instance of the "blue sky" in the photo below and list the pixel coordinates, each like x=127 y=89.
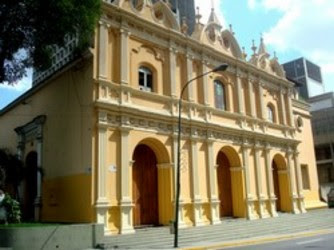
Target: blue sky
x=292 y=28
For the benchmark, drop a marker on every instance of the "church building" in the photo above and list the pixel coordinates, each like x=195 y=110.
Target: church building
x=104 y=127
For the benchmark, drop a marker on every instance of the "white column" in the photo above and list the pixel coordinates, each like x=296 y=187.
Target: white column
x=259 y=190
x=281 y=97
x=198 y=220
x=301 y=202
x=240 y=95
x=205 y=80
x=189 y=77
x=212 y=179
x=249 y=196
x=124 y=56
x=103 y=50
x=252 y=98
x=126 y=223
x=292 y=182
x=270 y=183
x=172 y=72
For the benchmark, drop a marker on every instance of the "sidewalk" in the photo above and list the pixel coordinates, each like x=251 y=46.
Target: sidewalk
x=230 y=232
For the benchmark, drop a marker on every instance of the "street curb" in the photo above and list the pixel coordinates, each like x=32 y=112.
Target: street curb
x=254 y=241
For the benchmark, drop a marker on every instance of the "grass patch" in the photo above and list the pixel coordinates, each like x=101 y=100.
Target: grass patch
x=27 y=224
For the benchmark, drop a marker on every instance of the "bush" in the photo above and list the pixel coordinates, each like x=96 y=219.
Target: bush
x=12 y=208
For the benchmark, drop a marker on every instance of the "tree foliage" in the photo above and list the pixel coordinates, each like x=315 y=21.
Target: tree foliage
x=29 y=29
x=11 y=171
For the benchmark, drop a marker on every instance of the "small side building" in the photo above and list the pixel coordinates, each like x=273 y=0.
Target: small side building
x=322 y=110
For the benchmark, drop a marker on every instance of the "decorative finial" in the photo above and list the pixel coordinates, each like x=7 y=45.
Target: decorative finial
x=262 y=47
x=253 y=47
x=198 y=15
x=184 y=27
x=231 y=29
x=244 y=54
x=275 y=56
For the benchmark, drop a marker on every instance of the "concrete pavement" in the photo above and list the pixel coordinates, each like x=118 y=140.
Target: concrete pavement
x=319 y=241
x=230 y=232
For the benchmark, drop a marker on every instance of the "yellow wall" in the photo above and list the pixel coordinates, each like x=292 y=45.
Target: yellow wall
x=307 y=157
x=68 y=199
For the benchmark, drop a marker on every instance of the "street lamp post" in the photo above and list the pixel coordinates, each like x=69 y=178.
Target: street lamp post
x=221 y=68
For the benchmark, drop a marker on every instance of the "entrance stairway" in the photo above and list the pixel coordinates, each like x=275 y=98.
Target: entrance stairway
x=228 y=230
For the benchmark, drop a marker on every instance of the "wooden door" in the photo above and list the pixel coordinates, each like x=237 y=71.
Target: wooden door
x=276 y=186
x=145 y=187
x=224 y=185
x=30 y=187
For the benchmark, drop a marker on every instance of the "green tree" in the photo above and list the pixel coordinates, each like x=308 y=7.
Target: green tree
x=11 y=172
x=29 y=29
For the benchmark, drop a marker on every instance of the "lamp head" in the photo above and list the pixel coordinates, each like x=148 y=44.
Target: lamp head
x=221 y=67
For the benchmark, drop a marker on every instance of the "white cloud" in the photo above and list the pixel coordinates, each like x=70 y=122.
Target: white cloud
x=22 y=85
x=306 y=27
x=205 y=10
x=251 y=4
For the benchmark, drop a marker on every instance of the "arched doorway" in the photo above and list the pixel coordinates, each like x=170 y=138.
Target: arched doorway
x=281 y=184
x=230 y=179
x=145 y=187
x=224 y=185
x=30 y=186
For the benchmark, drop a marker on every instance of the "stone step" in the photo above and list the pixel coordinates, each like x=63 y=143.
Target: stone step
x=228 y=230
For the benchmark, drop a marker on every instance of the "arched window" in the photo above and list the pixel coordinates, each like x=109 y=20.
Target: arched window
x=145 y=79
x=220 y=97
x=270 y=111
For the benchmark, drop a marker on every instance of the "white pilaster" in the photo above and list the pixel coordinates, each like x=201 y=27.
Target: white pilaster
x=282 y=104
x=198 y=220
x=240 y=95
x=20 y=147
x=189 y=77
x=175 y=143
x=252 y=98
x=124 y=57
x=292 y=182
x=103 y=50
x=182 y=223
x=214 y=202
x=172 y=72
x=126 y=223
x=301 y=202
x=38 y=199
x=290 y=112
x=259 y=189
x=102 y=171
x=249 y=196
x=270 y=183
x=261 y=99
x=102 y=203
x=205 y=80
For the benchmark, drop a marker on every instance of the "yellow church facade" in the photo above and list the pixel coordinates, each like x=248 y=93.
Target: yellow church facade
x=105 y=128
